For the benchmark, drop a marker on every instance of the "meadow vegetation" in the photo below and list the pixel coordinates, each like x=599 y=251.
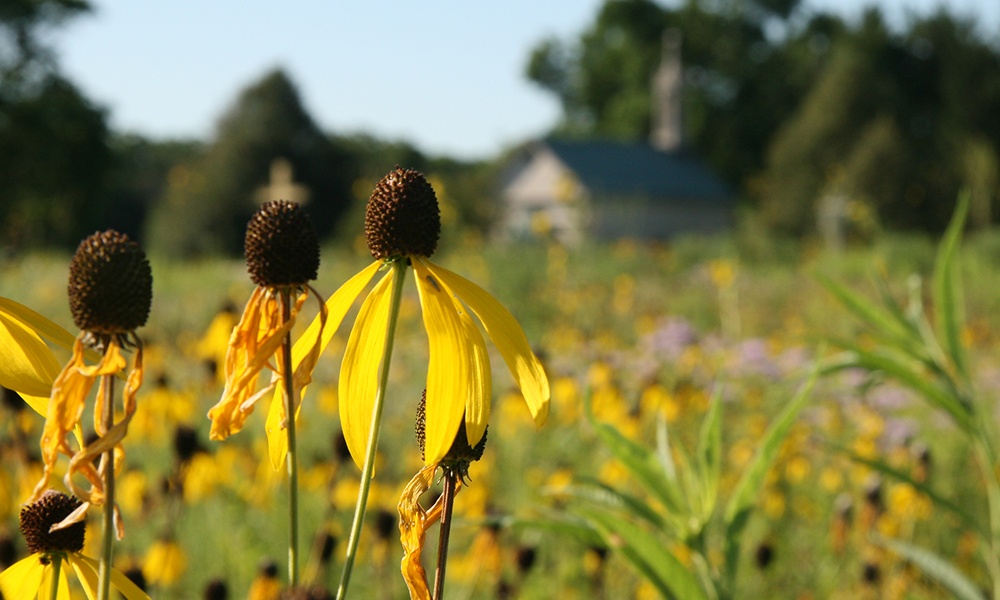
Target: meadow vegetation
x=648 y=337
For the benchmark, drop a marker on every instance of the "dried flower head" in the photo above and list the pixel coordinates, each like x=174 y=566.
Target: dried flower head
x=110 y=284
x=402 y=217
x=38 y=518
x=281 y=246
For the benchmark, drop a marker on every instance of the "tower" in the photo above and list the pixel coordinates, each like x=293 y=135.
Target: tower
x=666 y=133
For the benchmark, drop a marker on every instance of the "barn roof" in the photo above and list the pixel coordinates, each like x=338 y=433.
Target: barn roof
x=610 y=168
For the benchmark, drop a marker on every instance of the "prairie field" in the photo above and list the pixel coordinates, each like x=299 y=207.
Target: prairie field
x=641 y=339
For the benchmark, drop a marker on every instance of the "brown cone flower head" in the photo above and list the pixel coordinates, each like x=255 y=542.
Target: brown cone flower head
x=461 y=454
x=281 y=246
x=402 y=217
x=110 y=284
x=39 y=517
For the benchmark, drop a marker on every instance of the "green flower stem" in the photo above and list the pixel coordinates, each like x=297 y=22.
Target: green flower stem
x=368 y=471
x=56 y=568
x=108 y=526
x=447 y=504
x=291 y=457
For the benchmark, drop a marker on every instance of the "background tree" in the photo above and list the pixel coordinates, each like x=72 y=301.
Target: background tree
x=54 y=156
x=219 y=192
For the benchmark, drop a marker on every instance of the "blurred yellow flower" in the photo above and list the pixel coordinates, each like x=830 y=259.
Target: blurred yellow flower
x=165 y=563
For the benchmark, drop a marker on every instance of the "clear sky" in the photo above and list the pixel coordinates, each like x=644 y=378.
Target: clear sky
x=447 y=76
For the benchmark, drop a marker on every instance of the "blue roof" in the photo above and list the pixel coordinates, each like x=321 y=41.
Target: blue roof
x=612 y=168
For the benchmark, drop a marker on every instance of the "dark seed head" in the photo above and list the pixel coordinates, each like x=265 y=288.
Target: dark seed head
x=38 y=518
x=110 y=284
x=216 y=590
x=461 y=454
x=402 y=217
x=281 y=246
x=385 y=523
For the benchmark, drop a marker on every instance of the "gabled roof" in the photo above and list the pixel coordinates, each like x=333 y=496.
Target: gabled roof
x=627 y=168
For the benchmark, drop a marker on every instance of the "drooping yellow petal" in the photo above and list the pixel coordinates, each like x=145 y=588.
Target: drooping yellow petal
x=23 y=578
x=255 y=339
x=69 y=392
x=27 y=365
x=336 y=307
x=413 y=524
x=508 y=337
x=86 y=567
x=277 y=420
x=305 y=354
x=86 y=574
x=359 y=371
x=40 y=324
x=477 y=406
x=452 y=380
x=62 y=591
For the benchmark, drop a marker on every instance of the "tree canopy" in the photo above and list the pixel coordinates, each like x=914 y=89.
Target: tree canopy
x=792 y=106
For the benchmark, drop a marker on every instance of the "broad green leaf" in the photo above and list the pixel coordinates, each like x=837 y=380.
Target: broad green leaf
x=748 y=488
x=647 y=555
x=935 y=567
x=947 y=290
x=640 y=462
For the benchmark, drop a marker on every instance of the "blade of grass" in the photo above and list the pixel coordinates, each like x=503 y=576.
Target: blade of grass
x=935 y=567
x=947 y=292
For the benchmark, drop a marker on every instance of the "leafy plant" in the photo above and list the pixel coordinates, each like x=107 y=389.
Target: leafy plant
x=682 y=505
x=921 y=348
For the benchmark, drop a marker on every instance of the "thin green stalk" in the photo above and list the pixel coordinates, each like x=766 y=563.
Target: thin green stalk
x=56 y=568
x=291 y=457
x=368 y=470
x=447 y=505
x=108 y=526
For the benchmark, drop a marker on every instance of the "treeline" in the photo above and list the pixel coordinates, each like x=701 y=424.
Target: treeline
x=793 y=108
x=797 y=107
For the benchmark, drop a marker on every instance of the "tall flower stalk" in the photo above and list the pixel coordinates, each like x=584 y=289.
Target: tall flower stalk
x=402 y=226
x=282 y=253
x=110 y=292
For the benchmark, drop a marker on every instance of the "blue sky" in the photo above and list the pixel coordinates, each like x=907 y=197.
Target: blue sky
x=447 y=76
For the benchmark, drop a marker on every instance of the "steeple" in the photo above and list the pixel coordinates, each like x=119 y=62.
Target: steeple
x=666 y=133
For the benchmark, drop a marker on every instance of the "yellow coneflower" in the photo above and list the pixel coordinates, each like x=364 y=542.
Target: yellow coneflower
x=402 y=226
x=50 y=545
x=282 y=254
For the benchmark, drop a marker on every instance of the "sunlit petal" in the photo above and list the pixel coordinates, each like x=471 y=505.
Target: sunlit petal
x=451 y=376
x=509 y=338
x=336 y=306
x=359 y=371
x=23 y=578
x=119 y=580
x=27 y=365
x=86 y=573
x=42 y=325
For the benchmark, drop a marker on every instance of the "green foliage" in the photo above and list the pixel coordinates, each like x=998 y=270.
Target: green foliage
x=681 y=503
x=929 y=357
x=53 y=142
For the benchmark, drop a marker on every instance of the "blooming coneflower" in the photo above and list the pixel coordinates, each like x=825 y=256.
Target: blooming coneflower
x=282 y=254
x=402 y=226
x=49 y=546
